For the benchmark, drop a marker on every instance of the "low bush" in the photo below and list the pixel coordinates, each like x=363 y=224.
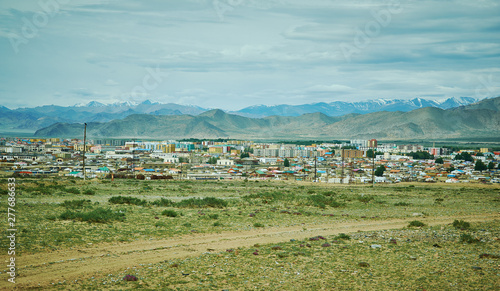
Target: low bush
x=467 y=238
x=75 y=203
x=99 y=215
x=163 y=202
x=258 y=224
x=460 y=224
x=416 y=223
x=365 y=198
x=200 y=203
x=89 y=192
x=402 y=204
x=127 y=200
x=343 y=236
x=322 y=201
x=73 y=190
x=170 y=213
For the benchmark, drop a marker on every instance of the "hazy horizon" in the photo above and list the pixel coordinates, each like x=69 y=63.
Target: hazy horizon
x=231 y=54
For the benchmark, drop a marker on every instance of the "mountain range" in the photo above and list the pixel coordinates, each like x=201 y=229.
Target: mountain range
x=477 y=120
x=339 y=108
x=32 y=119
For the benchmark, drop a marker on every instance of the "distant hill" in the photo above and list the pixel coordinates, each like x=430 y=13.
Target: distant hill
x=339 y=108
x=43 y=116
x=477 y=120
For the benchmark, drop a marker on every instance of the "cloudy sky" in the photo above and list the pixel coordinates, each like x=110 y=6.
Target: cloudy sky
x=231 y=54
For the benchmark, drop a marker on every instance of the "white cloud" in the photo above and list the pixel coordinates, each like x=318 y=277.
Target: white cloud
x=269 y=52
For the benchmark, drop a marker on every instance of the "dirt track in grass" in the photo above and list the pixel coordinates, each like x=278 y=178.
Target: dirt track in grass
x=42 y=269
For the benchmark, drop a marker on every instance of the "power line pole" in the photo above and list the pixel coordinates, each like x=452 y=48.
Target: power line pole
x=373 y=167
x=84 y=148
x=342 y=173
x=315 y=169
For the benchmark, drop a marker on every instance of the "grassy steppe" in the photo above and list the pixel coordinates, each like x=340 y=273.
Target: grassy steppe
x=57 y=215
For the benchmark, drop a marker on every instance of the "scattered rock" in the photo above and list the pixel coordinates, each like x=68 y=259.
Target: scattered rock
x=130 y=278
x=375 y=246
x=436 y=246
x=413 y=258
x=363 y=264
x=417 y=214
x=292 y=240
x=256 y=252
x=393 y=241
x=477 y=268
x=489 y=256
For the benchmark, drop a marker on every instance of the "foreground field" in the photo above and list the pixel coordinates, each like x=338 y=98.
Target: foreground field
x=254 y=234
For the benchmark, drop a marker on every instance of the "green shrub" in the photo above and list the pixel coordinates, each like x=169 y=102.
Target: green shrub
x=343 y=236
x=416 y=223
x=127 y=200
x=322 y=201
x=169 y=213
x=258 y=224
x=402 y=204
x=160 y=224
x=460 y=224
x=270 y=196
x=365 y=198
x=163 y=202
x=89 y=192
x=217 y=223
x=99 y=215
x=329 y=193
x=75 y=203
x=467 y=238
x=213 y=216
x=73 y=190
x=200 y=203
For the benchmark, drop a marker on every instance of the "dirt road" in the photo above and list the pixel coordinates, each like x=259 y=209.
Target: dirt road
x=42 y=269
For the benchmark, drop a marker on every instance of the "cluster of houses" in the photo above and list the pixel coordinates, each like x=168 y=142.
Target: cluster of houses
x=341 y=162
